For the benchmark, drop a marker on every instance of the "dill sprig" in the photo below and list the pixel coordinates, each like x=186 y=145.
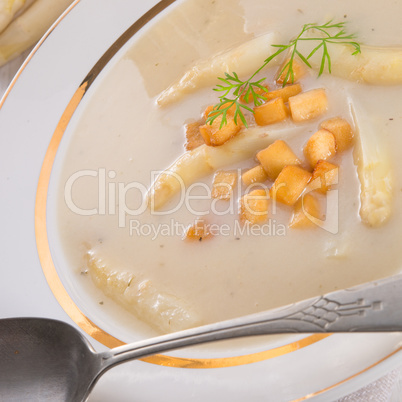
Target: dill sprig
x=235 y=90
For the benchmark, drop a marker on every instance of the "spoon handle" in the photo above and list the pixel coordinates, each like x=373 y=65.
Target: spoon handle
x=372 y=307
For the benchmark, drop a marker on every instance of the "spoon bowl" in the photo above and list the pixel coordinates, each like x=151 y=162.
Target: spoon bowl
x=44 y=359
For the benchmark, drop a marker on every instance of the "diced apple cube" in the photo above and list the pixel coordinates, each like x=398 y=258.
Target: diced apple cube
x=299 y=71
x=193 y=136
x=223 y=185
x=341 y=130
x=308 y=105
x=274 y=158
x=207 y=111
x=320 y=146
x=325 y=175
x=306 y=209
x=215 y=135
x=271 y=112
x=254 y=207
x=258 y=91
x=290 y=184
x=210 y=108
x=199 y=231
x=285 y=93
x=255 y=175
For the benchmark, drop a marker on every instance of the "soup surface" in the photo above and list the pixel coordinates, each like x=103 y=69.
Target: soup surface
x=122 y=139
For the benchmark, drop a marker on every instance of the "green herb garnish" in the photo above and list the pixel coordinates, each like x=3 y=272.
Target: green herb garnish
x=234 y=88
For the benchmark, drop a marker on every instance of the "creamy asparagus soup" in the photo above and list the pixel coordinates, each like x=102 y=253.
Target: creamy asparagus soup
x=183 y=205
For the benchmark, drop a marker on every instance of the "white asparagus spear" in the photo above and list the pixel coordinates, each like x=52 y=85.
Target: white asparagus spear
x=9 y=9
x=26 y=5
x=373 y=167
x=374 y=65
x=162 y=311
x=29 y=27
x=244 y=60
x=204 y=160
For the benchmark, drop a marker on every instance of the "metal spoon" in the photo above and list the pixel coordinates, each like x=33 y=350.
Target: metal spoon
x=43 y=359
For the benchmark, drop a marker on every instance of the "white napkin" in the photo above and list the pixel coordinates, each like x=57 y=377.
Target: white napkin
x=386 y=389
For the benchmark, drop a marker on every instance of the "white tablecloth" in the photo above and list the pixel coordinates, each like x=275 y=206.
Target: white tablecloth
x=386 y=389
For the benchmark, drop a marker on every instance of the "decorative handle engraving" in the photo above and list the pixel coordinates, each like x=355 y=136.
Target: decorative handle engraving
x=373 y=307
x=325 y=312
